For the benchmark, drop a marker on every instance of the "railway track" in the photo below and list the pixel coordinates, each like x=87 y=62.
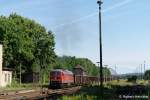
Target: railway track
x=39 y=94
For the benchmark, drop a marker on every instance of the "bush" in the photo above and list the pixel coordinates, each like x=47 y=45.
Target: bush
x=132 y=79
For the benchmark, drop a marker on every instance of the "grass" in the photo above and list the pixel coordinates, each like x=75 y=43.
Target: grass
x=79 y=97
x=124 y=82
x=143 y=82
x=120 y=82
x=89 y=93
x=17 y=86
x=112 y=90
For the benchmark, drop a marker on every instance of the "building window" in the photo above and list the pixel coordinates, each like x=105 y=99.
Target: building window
x=8 y=78
x=5 y=77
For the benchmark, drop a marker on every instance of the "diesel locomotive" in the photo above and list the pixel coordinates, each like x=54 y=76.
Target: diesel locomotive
x=60 y=78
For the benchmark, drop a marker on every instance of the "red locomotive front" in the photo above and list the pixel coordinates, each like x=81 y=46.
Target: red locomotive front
x=60 y=78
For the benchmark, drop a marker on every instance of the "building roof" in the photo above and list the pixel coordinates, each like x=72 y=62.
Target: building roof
x=8 y=69
x=79 y=67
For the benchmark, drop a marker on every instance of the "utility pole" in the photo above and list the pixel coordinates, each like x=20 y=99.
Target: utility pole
x=141 y=72
x=115 y=72
x=99 y=2
x=138 y=71
x=144 y=66
x=144 y=69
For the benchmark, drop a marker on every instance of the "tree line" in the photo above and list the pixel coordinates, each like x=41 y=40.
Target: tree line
x=68 y=62
x=28 y=45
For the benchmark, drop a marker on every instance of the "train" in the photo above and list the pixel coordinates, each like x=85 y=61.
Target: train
x=60 y=78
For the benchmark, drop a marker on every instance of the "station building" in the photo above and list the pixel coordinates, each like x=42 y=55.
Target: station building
x=78 y=70
x=5 y=73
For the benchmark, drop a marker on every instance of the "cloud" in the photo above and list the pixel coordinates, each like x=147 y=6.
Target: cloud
x=93 y=14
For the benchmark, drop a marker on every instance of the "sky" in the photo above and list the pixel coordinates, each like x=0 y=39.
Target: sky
x=125 y=28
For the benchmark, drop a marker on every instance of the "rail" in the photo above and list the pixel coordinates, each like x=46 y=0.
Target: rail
x=39 y=94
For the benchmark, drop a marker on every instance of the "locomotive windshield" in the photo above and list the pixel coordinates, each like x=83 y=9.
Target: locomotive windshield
x=55 y=73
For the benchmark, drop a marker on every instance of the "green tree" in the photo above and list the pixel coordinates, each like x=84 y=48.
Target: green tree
x=26 y=44
x=106 y=72
x=147 y=75
x=68 y=62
